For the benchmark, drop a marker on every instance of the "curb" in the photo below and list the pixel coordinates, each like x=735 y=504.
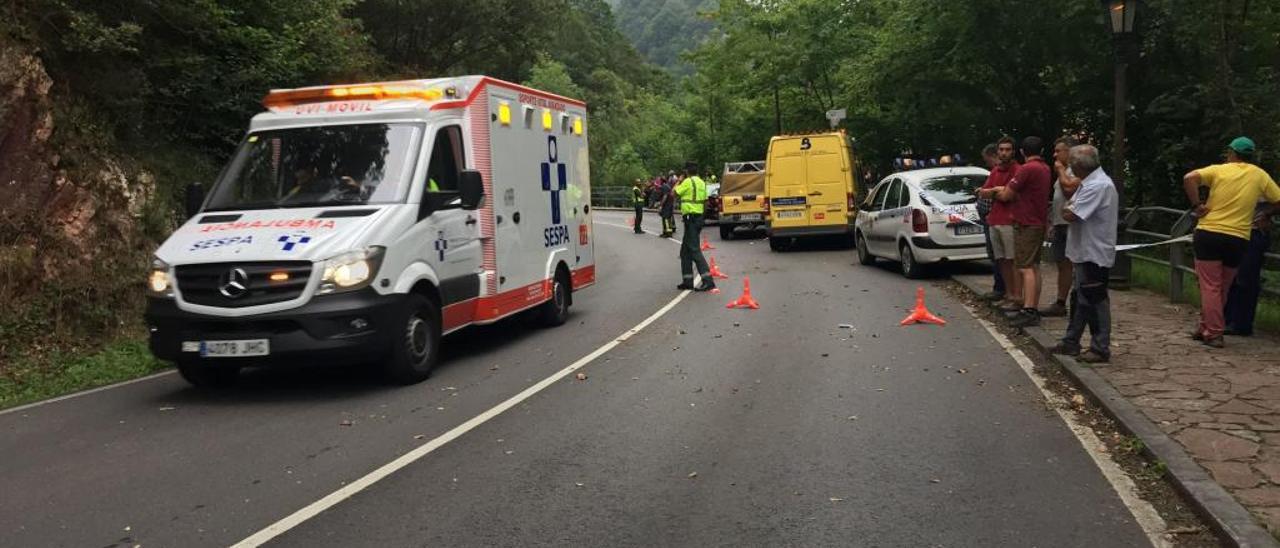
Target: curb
x=1230 y=521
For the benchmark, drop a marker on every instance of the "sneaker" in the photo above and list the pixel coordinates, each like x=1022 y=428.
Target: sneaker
x=1009 y=307
x=1062 y=349
x=1027 y=318
x=1215 y=342
x=686 y=286
x=1089 y=356
x=1055 y=310
x=708 y=286
x=991 y=297
x=1197 y=336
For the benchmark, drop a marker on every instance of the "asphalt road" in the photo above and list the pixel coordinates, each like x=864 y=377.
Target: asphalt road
x=711 y=427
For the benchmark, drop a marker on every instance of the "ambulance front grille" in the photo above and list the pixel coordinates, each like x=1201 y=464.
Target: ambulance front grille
x=239 y=285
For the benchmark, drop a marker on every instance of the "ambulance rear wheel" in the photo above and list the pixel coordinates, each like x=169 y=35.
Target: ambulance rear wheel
x=555 y=312
x=417 y=343
x=204 y=375
x=726 y=232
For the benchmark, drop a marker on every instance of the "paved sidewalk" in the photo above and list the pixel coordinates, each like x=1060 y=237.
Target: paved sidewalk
x=1222 y=405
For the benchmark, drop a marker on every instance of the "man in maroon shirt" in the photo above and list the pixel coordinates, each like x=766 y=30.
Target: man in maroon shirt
x=1000 y=220
x=1028 y=195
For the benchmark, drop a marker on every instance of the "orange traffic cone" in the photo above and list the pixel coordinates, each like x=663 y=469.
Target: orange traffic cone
x=706 y=245
x=715 y=271
x=922 y=314
x=745 y=301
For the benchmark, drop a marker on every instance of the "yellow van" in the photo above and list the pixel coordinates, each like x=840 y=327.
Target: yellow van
x=811 y=187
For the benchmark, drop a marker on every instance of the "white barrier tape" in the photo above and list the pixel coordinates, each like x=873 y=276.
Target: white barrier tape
x=1130 y=247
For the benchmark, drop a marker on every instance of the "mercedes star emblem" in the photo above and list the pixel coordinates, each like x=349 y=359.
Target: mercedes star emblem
x=234 y=284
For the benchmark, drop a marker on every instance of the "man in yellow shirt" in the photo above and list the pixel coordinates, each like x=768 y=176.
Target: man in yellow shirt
x=1222 y=235
x=692 y=192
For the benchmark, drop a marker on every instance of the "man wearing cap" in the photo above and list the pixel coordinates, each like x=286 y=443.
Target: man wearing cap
x=1221 y=238
x=693 y=198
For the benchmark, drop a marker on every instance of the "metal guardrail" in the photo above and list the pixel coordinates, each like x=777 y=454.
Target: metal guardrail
x=619 y=196
x=1177 y=257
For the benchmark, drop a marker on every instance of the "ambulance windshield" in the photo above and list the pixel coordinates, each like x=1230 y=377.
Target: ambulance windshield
x=319 y=167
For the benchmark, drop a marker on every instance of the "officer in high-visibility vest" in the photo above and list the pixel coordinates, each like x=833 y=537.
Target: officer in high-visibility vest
x=637 y=200
x=693 y=197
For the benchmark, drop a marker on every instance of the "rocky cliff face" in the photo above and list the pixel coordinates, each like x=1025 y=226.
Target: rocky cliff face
x=70 y=240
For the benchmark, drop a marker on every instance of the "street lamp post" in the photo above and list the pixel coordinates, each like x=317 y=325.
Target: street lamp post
x=1122 y=16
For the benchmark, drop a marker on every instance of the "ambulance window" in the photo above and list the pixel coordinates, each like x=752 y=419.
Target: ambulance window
x=447 y=160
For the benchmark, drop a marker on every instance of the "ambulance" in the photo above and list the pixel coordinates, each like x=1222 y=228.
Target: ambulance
x=362 y=223
x=811 y=187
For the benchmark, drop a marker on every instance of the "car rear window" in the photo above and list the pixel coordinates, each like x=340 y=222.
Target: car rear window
x=952 y=189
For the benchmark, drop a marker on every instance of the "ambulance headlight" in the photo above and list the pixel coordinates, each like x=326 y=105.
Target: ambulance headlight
x=158 y=282
x=351 y=271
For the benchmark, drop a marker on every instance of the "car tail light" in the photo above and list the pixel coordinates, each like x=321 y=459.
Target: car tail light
x=919 y=222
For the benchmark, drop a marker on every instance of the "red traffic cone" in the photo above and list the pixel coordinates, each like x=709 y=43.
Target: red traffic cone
x=745 y=301
x=715 y=271
x=706 y=246
x=922 y=314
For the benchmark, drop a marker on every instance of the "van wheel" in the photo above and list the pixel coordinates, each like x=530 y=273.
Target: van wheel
x=779 y=244
x=726 y=232
x=414 y=350
x=865 y=258
x=203 y=375
x=555 y=312
x=910 y=268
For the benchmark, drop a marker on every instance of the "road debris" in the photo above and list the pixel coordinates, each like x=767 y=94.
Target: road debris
x=345 y=423
x=693 y=475
x=581 y=376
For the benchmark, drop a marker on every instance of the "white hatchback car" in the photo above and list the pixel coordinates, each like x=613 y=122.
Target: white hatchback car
x=922 y=217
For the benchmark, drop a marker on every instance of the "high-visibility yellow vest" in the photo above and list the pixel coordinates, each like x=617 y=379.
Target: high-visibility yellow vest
x=693 y=195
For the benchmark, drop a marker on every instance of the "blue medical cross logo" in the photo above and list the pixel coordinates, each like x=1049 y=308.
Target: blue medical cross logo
x=442 y=244
x=290 y=242
x=562 y=177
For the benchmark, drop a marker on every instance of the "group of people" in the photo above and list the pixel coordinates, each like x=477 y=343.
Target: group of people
x=690 y=192
x=1074 y=205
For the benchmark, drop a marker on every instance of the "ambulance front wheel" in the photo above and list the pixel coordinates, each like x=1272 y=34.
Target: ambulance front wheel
x=555 y=312
x=418 y=342
x=208 y=375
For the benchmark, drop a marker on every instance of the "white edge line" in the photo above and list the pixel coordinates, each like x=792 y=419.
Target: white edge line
x=312 y=510
x=86 y=392
x=1143 y=512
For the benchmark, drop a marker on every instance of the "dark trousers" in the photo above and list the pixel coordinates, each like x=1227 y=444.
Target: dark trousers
x=1090 y=307
x=691 y=250
x=998 y=286
x=1242 y=299
x=639 y=217
x=668 y=224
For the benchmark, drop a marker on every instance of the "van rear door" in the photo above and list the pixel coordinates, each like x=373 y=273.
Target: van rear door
x=828 y=179
x=787 y=184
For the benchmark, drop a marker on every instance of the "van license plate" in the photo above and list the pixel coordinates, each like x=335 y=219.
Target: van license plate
x=749 y=217
x=235 y=349
x=793 y=214
x=968 y=229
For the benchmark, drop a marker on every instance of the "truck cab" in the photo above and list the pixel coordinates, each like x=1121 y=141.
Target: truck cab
x=363 y=223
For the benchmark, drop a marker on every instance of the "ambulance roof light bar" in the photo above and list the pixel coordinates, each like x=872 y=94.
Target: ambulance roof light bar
x=362 y=92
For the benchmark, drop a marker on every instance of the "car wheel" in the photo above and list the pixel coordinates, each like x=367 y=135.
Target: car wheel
x=413 y=353
x=910 y=268
x=205 y=375
x=726 y=232
x=555 y=312
x=865 y=257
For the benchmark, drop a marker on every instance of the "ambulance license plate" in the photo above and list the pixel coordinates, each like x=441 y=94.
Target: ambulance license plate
x=235 y=349
x=968 y=229
x=793 y=214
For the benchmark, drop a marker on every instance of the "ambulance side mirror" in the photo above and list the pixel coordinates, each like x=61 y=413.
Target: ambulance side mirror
x=471 y=189
x=193 y=199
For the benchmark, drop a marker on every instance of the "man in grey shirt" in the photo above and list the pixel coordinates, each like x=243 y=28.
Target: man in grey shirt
x=1093 y=213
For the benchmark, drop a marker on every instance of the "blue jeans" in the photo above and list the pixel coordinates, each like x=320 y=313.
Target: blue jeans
x=998 y=286
x=1242 y=299
x=1090 y=307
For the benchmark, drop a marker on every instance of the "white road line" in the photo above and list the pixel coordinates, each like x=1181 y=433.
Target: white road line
x=87 y=392
x=1146 y=515
x=312 y=510
x=672 y=240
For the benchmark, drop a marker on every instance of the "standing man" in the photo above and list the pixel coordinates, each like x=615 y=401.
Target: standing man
x=1058 y=224
x=1028 y=196
x=666 y=208
x=1242 y=299
x=1000 y=221
x=637 y=200
x=1092 y=213
x=693 y=196
x=992 y=160
x=1221 y=239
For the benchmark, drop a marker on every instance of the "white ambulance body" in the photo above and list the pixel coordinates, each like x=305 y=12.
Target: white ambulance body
x=364 y=222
